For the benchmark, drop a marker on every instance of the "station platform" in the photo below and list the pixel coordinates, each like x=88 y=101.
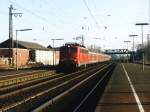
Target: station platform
x=128 y=90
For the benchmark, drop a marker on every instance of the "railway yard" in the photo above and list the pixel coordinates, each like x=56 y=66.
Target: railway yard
x=107 y=87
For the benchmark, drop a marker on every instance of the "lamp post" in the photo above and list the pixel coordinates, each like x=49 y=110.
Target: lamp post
x=98 y=39
x=17 y=46
x=127 y=48
x=143 y=59
x=53 y=40
x=133 y=36
x=148 y=40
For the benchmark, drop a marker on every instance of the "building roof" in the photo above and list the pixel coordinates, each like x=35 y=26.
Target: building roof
x=23 y=44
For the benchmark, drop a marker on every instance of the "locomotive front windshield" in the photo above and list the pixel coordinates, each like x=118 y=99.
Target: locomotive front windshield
x=73 y=50
x=63 y=51
x=68 y=52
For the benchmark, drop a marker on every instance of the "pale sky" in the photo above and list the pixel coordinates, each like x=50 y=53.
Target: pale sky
x=65 y=19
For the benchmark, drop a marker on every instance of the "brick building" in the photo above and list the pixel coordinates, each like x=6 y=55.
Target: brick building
x=27 y=52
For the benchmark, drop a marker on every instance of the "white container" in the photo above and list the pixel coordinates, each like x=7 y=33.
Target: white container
x=44 y=57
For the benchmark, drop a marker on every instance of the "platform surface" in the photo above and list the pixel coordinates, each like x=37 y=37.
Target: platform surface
x=127 y=91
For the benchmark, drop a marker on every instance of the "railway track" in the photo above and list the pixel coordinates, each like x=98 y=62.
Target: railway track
x=23 y=77
x=30 y=95
x=93 y=95
x=68 y=100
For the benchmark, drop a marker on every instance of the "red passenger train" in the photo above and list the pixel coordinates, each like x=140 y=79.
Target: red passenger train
x=73 y=55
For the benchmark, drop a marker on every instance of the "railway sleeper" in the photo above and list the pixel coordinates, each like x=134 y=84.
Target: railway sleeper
x=26 y=84
x=57 y=104
x=15 y=96
x=31 y=102
x=17 y=80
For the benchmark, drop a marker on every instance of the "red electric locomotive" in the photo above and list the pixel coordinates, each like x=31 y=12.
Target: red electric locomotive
x=73 y=55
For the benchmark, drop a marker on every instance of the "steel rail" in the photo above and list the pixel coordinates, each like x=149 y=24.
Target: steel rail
x=16 y=80
x=34 y=95
x=15 y=87
x=2 y=77
x=57 y=88
x=65 y=93
x=77 y=109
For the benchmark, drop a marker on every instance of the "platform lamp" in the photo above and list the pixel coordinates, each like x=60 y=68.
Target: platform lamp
x=127 y=48
x=97 y=38
x=17 y=46
x=53 y=40
x=143 y=58
x=133 y=36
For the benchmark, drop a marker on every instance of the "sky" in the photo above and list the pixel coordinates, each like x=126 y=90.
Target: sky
x=111 y=21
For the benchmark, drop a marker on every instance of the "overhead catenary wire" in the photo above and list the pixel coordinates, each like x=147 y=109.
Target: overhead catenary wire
x=101 y=21
x=32 y=13
x=46 y=20
x=91 y=14
x=55 y=14
x=38 y=17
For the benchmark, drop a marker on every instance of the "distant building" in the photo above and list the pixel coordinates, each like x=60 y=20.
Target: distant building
x=28 y=52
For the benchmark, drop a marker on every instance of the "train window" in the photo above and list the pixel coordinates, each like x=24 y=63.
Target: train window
x=63 y=51
x=73 y=50
x=84 y=51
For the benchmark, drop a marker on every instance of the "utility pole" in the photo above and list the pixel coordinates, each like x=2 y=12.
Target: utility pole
x=127 y=50
x=80 y=37
x=82 y=40
x=148 y=40
x=143 y=55
x=54 y=59
x=11 y=33
x=133 y=36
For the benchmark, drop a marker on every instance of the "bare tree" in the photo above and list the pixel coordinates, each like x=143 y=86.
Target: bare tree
x=94 y=48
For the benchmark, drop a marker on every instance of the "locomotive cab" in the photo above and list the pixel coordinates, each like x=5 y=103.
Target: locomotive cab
x=68 y=57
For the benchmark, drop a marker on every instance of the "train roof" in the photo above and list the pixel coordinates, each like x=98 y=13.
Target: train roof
x=99 y=53
x=74 y=44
